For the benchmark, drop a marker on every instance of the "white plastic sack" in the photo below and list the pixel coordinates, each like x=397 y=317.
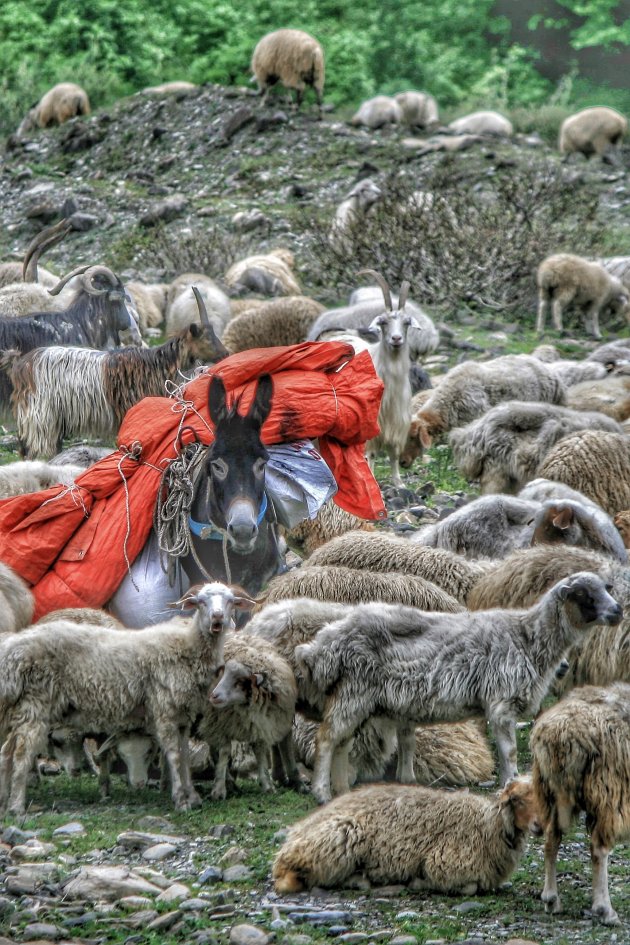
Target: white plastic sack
x=144 y=595
x=297 y=481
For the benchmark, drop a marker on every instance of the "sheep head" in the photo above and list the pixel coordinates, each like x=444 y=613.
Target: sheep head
x=587 y=601
x=215 y=604
x=427 y=425
x=517 y=802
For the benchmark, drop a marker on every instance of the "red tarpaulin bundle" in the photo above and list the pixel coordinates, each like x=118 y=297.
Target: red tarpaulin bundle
x=74 y=545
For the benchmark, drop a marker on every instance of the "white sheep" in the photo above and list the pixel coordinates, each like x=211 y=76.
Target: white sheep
x=266 y=273
x=419 y=109
x=351 y=211
x=292 y=58
x=565 y=279
x=34 y=476
x=377 y=112
x=414 y=667
x=149 y=302
x=16 y=602
x=182 y=309
x=483 y=123
x=59 y=104
x=168 y=88
x=592 y=131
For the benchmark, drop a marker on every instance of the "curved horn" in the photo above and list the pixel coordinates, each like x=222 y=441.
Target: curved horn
x=403 y=294
x=201 y=305
x=75 y=272
x=44 y=240
x=91 y=274
x=387 y=296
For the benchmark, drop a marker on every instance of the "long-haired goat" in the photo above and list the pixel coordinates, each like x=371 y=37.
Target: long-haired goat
x=61 y=391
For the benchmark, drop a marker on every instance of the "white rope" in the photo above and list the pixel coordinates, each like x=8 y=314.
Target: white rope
x=132 y=452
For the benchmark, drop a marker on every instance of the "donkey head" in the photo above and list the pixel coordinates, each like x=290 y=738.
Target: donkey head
x=233 y=488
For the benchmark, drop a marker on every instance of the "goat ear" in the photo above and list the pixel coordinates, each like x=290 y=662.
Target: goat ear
x=217 y=407
x=414 y=323
x=195 y=330
x=563 y=519
x=261 y=404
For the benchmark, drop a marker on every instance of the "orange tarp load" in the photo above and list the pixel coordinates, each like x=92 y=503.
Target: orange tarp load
x=74 y=544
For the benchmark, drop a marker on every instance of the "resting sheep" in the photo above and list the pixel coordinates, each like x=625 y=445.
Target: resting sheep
x=457 y=843
x=182 y=307
x=489 y=527
x=412 y=666
x=350 y=213
x=581 y=762
x=329 y=522
x=294 y=59
x=377 y=112
x=22 y=478
x=610 y=396
x=595 y=463
x=592 y=131
x=565 y=279
x=61 y=103
x=283 y=321
x=16 y=602
x=483 y=123
x=418 y=109
x=268 y=274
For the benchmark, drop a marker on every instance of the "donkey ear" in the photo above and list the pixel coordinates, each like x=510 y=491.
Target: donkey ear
x=217 y=407
x=261 y=404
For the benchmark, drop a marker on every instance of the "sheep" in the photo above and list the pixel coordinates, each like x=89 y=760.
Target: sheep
x=90 y=615
x=61 y=103
x=418 y=109
x=613 y=353
x=11 y=273
x=268 y=274
x=347 y=586
x=283 y=321
x=610 y=396
x=103 y=679
x=182 y=308
x=594 y=462
x=330 y=521
x=622 y=524
x=470 y=389
x=618 y=266
x=253 y=702
x=565 y=279
x=169 y=88
x=542 y=490
x=504 y=448
x=413 y=666
x=82 y=455
x=592 y=131
x=364 y=551
x=581 y=762
x=16 y=602
x=457 y=843
x=572 y=373
x=61 y=392
x=25 y=298
x=377 y=112
x=350 y=213
x=527 y=573
x=292 y=58
x=149 y=302
x=483 y=123
x=22 y=478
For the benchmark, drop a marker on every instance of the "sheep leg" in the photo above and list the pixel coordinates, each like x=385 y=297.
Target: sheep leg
x=553 y=836
x=542 y=312
x=261 y=752
x=329 y=738
x=184 y=752
x=556 y=313
x=219 y=789
x=24 y=749
x=284 y=752
x=406 y=750
x=167 y=734
x=504 y=730
x=602 y=906
x=339 y=776
x=6 y=770
x=104 y=778
x=591 y=317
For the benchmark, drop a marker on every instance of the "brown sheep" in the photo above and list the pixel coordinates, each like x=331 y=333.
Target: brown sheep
x=268 y=274
x=592 y=131
x=581 y=762
x=61 y=103
x=595 y=463
x=611 y=396
x=329 y=522
x=294 y=59
x=419 y=109
x=565 y=279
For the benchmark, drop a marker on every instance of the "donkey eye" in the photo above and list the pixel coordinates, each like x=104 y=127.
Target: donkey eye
x=219 y=468
x=259 y=468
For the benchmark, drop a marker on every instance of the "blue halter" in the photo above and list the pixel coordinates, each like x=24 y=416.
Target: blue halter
x=208 y=531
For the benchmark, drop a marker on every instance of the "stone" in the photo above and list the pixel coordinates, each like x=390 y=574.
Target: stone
x=234 y=122
x=353 y=938
x=222 y=830
x=41 y=930
x=407 y=914
x=247 y=220
x=31 y=850
x=84 y=919
x=211 y=874
x=404 y=940
x=82 y=222
x=137 y=840
x=465 y=907
x=73 y=829
x=521 y=941
x=322 y=917
x=13 y=835
x=233 y=855
x=237 y=874
x=164 y=210
x=164 y=922
x=6 y=906
x=248 y=935
x=193 y=905
x=135 y=902
x=174 y=893
x=138 y=920
x=162 y=882
x=96 y=883
x=159 y=851
x=390 y=892
x=151 y=823
x=296 y=939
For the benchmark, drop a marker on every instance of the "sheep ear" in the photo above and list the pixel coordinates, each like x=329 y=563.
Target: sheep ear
x=419 y=431
x=563 y=519
x=245 y=603
x=564 y=590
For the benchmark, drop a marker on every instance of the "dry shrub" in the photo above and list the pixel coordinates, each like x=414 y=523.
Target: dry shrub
x=211 y=250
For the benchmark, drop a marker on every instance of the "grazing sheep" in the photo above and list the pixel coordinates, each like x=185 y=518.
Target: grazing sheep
x=350 y=213
x=595 y=463
x=610 y=396
x=470 y=389
x=182 y=309
x=524 y=575
x=483 y=123
x=61 y=103
x=581 y=762
x=22 y=478
x=413 y=666
x=61 y=392
x=504 y=448
x=347 y=586
x=292 y=58
x=364 y=551
x=419 y=109
x=268 y=274
x=377 y=112
x=280 y=322
x=330 y=521
x=16 y=602
x=565 y=279
x=253 y=702
x=458 y=843
x=592 y=131
x=489 y=527
x=149 y=302
x=97 y=678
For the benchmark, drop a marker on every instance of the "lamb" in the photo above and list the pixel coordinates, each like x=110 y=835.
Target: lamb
x=347 y=586
x=16 y=602
x=504 y=448
x=350 y=213
x=457 y=843
x=470 y=389
x=149 y=302
x=594 y=462
x=294 y=59
x=329 y=522
x=268 y=274
x=581 y=762
x=364 y=551
x=565 y=279
x=283 y=321
x=412 y=666
x=490 y=527
x=610 y=396
x=418 y=109
x=377 y=112
x=96 y=678
x=61 y=391
x=253 y=702
x=592 y=131
x=182 y=308
x=483 y=123
x=22 y=478
x=61 y=103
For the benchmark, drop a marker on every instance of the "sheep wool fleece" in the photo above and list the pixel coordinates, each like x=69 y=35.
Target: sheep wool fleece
x=73 y=544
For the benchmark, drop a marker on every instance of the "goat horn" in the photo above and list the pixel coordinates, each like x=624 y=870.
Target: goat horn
x=387 y=296
x=75 y=272
x=44 y=240
x=201 y=305
x=403 y=294
x=92 y=273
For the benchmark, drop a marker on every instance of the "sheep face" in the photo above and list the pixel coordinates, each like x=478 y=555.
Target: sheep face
x=137 y=752
x=518 y=803
x=364 y=194
x=215 y=604
x=238 y=686
x=587 y=601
